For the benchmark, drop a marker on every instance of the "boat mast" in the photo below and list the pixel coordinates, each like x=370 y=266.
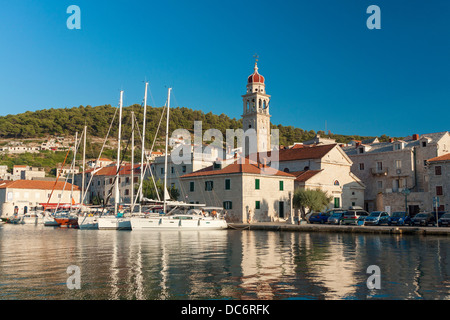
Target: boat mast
x=132 y=162
x=73 y=168
x=143 y=145
x=84 y=168
x=167 y=142
x=116 y=198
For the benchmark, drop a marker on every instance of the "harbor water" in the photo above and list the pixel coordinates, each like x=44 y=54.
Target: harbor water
x=36 y=264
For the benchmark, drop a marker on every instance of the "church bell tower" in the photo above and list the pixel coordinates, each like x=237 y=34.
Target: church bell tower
x=256 y=110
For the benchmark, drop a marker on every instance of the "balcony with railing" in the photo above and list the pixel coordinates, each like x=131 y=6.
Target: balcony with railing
x=377 y=171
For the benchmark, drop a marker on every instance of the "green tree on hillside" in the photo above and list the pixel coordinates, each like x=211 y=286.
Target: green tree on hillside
x=67 y=121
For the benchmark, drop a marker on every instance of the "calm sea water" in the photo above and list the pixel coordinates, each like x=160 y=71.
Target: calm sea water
x=228 y=264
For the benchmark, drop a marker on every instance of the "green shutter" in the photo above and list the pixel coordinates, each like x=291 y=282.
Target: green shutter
x=337 y=203
x=228 y=205
x=227 y=184
x=257 y=205
x=209 y=185
x=281 y=186
x=257 y=184
x=191 y=186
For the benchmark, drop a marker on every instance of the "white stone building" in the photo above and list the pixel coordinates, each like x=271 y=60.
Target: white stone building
x=24 y=172
x=66 y=171
x=325 y=167
x=16 y=149
x=23 y=195
x=98 y=163
x=247 y=191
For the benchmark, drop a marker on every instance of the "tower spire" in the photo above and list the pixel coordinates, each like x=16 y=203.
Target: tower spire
x=256 y=62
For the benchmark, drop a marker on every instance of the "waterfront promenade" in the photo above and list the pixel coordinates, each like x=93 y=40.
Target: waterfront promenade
x=283 y=226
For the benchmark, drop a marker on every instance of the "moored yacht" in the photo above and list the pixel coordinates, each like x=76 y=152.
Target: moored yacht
x=168 y=220
x=66 y=220
x=113 y=222
x=88 y=221
x=179 y=221
x=33 y=218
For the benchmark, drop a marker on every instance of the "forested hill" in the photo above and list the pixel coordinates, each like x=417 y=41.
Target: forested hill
x=67 y=121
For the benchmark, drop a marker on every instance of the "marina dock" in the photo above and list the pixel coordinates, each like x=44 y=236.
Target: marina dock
x=282 y=226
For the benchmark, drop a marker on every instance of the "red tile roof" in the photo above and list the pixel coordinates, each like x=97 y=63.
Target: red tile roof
x=237 y=168
x=302 y=153
x=37 y=184
x=302 y=176
x=445 y=157
x=111 y=170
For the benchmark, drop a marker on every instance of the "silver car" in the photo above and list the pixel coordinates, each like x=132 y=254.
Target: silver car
x=336 y=216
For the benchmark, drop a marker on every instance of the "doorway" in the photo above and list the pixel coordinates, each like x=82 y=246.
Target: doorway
x=281 y=209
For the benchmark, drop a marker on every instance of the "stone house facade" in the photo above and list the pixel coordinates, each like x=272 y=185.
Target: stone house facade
x=99 y=182
x=395 y=173
x=247 y=191
x=325 y=167
x=24 y=195
x=176 y=168
x=439 y=182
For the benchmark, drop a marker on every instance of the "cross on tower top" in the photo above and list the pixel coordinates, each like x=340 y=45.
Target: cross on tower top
x=256 y=56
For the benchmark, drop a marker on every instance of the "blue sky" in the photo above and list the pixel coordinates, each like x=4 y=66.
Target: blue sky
x=323 y=67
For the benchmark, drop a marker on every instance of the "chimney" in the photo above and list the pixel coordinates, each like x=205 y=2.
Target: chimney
x=415 y=136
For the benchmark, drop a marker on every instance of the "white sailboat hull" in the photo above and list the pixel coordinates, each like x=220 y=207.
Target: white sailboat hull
x=29 y=220
x=114 y=223
x=88 y=223
x=175 y=223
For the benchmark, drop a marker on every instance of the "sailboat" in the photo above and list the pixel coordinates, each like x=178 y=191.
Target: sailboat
x=171 y=220
x=33 y=218
x=89 y=218
x=68 y=218
x=116 y=221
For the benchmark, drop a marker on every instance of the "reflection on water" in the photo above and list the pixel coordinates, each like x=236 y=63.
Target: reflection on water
x=227 y=264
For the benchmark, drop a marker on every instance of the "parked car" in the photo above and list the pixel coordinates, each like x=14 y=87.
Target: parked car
x=354 y=215
x=399 y=218
x=423 y=219
x=336 y=216
x=319 y=217
x=444 y=220
x=376 y=218
x=308 y=216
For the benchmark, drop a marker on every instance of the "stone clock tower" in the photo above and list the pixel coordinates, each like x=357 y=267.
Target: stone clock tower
x=256 y=110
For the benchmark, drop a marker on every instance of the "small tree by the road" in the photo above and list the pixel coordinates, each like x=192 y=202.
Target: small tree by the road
x=309 y=200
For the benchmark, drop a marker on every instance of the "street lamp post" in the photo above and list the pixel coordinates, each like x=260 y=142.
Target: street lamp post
x=406 y=193
x=436 y=207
